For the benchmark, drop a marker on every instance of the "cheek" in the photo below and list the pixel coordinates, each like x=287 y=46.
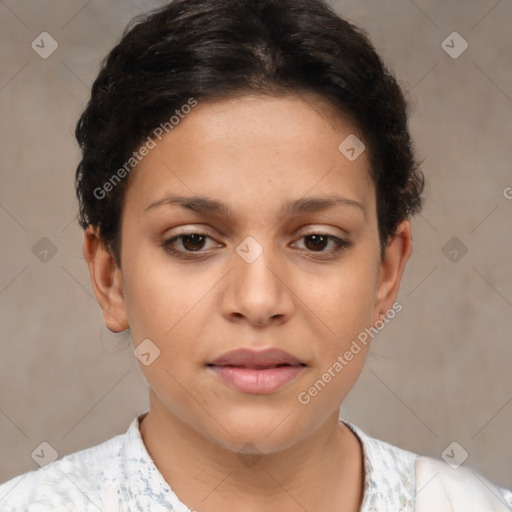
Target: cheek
x=163 y=306
x=159 y=297
x=343 y=301
x=345 y=307
x=345 y=304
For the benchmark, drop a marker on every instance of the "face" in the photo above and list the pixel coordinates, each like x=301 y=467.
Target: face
x=281 y=252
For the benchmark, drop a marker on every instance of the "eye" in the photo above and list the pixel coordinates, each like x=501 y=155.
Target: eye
x=190 y=243
x=318 y=242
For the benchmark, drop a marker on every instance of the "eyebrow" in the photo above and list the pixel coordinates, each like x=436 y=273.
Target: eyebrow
x=296 y=207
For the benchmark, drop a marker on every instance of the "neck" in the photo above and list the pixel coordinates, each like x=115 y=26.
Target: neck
x=319 y=470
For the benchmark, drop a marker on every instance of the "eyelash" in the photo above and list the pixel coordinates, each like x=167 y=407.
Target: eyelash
x=340 y=245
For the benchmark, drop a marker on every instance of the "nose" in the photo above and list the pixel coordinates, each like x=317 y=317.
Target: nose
x=259 y=291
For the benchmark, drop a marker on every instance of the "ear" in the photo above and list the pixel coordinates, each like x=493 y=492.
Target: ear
x=396 y=255
x=106 y=280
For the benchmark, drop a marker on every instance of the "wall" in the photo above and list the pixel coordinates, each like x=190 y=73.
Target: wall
x=438 y=373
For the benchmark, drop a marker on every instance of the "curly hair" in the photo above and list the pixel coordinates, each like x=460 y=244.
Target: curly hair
x=208 y=49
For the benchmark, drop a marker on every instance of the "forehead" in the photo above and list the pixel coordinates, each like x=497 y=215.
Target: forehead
x=254 y=151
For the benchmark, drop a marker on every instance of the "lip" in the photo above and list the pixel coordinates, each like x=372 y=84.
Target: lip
x=257 y=372
x=256 y=358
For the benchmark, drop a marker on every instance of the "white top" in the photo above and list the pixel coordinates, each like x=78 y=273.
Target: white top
x=120 y=476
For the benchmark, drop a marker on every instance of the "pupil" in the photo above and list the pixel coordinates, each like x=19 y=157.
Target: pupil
x=194 y=239
x=319 y=241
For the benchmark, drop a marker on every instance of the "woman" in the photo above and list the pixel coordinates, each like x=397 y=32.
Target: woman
x=245 y=190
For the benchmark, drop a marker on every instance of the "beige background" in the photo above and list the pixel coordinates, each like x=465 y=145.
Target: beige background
x=439 y=373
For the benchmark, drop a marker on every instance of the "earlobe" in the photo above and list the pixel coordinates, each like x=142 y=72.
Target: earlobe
x=392 y=267
x=106 y=280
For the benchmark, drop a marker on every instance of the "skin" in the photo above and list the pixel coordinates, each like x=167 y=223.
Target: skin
x=253 y=153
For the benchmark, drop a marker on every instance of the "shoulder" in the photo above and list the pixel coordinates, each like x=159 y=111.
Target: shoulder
x=441 y=488
x=72 y=479
x=396 y=479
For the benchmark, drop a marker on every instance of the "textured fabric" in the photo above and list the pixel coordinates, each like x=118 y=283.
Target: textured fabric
x=390 y=480
x=120 y=476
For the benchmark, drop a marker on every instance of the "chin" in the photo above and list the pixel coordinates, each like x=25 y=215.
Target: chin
x=259 y=433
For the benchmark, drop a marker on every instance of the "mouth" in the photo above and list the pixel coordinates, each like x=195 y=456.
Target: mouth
x=263 y=359
x=254 y=367
x=253 y=372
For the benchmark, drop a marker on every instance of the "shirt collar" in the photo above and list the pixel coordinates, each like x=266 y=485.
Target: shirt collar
x=389 y=475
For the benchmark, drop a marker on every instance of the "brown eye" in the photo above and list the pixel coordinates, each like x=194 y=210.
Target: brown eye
x=193 y=242
x=188 y=245
x=316 y=242
x=323 y=244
